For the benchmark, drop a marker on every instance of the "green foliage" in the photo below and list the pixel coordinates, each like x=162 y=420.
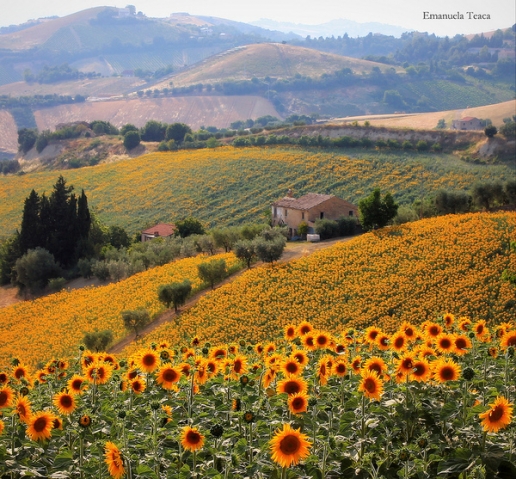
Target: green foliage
x=175 y=294
x=490 y=131
x=326 y=228
x=189 y=226
x=98 y=340
x=153 y=131
x=245 y=251
x=135 y=320
x=270 y=244
x=376 y=212
x=26 y=139
x=9 y=253
x=127 y=128
x=441 y=124
x=508 y=130
x=177 y=132
x=131 y=139
x=302 y=229
x=34 y=269
x=225 y=237
x=212 y=272
x=451 y=202
x=56 y=284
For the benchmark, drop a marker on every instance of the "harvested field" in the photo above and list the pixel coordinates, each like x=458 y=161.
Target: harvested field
x=8 y=133
x=217 y=111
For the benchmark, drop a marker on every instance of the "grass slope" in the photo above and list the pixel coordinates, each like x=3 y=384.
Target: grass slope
x=496 y=113
x=413 y=273
x=229 y=185
x=269 y=59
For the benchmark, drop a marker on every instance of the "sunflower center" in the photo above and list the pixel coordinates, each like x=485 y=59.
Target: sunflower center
x=3 y=398
x=289 y=444
x=40 y=424
x=375 y=367
x=76 y=385
x=291 y=367
x=292 y=387
x=496 y=414
x=370 y=385
x=193 y=437
x=460 y=343
x=419 y=370
x=399 y=342
x=170 y=375
x=149 y=360
x=447 y=373
x=445 y=343
x=298 y=403
x=237 y=367
x=66 y=401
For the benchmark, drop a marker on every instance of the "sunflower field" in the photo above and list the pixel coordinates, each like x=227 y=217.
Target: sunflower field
x=397 y=274
x=230 y=186
x=57 y=323
x=426 y=401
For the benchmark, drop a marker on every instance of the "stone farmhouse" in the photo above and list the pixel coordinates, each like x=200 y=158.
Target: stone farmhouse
x=290 y=212
x=467 y=123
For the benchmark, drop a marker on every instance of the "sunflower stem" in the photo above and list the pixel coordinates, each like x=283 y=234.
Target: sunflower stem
x=483 y=444
x=363 y=428
x=194 y=464
x=81 y=454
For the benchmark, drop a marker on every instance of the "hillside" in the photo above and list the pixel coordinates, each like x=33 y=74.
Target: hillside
x=218 y=111
x=411 y=273
x=227 y=186
x=269 y=60
x=496 y=113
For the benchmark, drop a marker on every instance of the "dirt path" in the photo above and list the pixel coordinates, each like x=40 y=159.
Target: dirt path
x=292 y=251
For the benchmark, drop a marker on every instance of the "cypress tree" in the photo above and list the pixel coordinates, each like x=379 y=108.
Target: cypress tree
x=30 y=225
x=83 y=216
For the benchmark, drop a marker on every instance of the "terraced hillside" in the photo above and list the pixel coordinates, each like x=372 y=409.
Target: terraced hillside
x=227 y=185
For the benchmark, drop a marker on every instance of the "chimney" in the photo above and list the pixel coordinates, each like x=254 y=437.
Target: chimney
x=289 y=193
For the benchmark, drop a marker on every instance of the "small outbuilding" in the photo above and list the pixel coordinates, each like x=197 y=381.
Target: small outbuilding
x=289 y=211
x=161 y=230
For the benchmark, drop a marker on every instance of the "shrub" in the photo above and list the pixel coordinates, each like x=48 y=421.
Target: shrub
x=175 y=293
x=131 y=140
x=421 y=145
x=135 y=320
x=212 y=272
x=326 y=229
x=56 y=284
x=35 y=268
x=98 y=340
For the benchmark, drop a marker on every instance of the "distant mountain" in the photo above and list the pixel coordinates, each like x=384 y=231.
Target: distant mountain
x=333 y=28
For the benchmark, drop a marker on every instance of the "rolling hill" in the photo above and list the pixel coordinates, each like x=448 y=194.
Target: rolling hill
x=269 y=60
x=227 y=186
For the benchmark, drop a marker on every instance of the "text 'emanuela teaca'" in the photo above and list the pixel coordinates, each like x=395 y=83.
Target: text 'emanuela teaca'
x=456 y=16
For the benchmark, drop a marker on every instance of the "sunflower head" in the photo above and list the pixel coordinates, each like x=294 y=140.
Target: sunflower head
x=191 y=439
x=289 y=446
x=498 y=416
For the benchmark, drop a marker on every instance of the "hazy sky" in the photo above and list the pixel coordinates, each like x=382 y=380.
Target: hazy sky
x=405 y=13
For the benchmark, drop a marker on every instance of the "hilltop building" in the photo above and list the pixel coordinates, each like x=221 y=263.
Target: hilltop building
x=161 y=230
x=467 y=123
x=289 y=211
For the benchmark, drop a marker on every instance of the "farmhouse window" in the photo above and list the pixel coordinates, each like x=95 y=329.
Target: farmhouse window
x=351 y=213
x=303 y=215
x=321 y=216
x=285 y=212
x=275 y=212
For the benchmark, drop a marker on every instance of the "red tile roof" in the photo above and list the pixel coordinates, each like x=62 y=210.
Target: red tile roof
x=304 y=202
x=161 y=229
x=468 y=118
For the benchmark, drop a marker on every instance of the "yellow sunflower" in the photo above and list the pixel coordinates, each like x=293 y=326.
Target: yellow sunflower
x=304 y=328
x=448 y=320
x=292 y=385
x=421 y=370
x=64 y=402
x=291 y=367
x=191 y=439
x=77 y=384
x=40 y=426
x=99 y=372
x=300 y=356
x=2 y=426
x=446 y=370
x=114 y=460
x=498 y=416
x=289 y=446
x=461 y=344
x=340 y=367
x=148 y=361
x=444 y=343
x=508 y=339
x=377 y=364
x=138 y=385
x=22 y=407
x=6 y=397
x=290 y=332
x=168 y=376
x=298 y=403
x=399 y=341
x=371 y=385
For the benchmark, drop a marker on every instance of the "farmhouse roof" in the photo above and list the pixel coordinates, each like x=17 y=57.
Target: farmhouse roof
x=305 y=202
x=161 y=229
x=468 y=118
